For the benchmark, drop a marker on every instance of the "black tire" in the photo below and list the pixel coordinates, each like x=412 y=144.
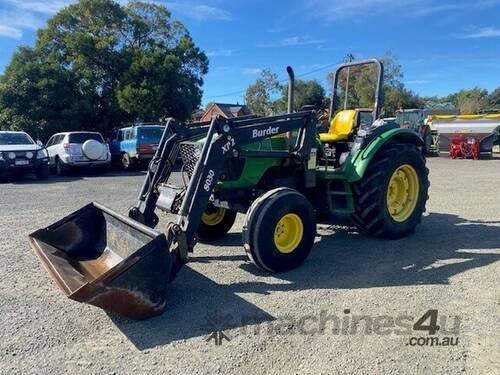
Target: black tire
x=372 y=215
x=59 y=168
x=262 y=221
x=127 y=163
x=218 y=228
x=427 y=137
x=42 y=173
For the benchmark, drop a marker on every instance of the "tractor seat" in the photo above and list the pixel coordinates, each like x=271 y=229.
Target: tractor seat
x=340 y=127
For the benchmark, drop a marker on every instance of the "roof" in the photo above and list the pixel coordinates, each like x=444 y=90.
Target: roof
x=231 y=110
x=12 y=131
x=77 y=132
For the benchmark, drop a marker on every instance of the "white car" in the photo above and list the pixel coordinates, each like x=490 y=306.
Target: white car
x=77 y=149
x=20 y=153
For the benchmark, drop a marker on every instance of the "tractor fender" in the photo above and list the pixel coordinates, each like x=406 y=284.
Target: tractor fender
x=355 y=167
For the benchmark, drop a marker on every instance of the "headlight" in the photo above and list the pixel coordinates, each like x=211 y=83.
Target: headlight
x=29 y=155
x=1 y=156
x=42 y=154
x=11 y=155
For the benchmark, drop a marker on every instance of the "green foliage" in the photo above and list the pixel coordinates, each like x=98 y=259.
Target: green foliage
x=400 y=97
x=494 y=99
x=306 y=93
x=37 y=96
x=98 y=63
x=471 y=101
x=362 y=83
x=258 y=95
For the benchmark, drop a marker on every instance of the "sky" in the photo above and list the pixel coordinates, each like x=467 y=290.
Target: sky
x=443 y=46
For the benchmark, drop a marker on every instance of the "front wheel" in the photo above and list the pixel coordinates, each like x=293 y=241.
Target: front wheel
x=215 y=223
x=42 y=173
x=390 y=199
x=127 y=162
x=279 y=230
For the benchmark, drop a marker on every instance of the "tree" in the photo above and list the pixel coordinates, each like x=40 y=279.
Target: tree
x=400 y=97
x=120 y=62
x=258 y=95
x=306 y=93
x=494 y=99
x=470 y=101
x=165 y=67
x=395 y=95
x=38 y=96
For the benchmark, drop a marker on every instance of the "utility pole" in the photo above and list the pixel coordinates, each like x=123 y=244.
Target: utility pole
x=349 y=58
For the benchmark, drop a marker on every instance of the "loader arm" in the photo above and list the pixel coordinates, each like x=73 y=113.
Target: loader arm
x=224 y=138
x=161 y=167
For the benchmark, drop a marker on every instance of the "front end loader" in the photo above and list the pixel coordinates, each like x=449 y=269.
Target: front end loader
x=277 y=170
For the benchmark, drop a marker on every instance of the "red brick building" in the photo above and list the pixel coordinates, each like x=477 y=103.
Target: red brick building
x=225 y=110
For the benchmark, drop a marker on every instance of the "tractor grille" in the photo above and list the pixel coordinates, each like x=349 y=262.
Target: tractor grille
x=190 y=153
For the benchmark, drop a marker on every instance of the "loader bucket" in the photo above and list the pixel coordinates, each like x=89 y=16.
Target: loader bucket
x=99 y=257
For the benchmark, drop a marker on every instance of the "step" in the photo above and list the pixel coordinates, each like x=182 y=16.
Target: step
x=338 y=192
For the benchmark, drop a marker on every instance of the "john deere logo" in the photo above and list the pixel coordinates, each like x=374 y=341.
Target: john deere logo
x=265 y=132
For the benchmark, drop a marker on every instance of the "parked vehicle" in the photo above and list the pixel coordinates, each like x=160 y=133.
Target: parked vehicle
x=76 y=150
x=134 y=146
x=20 y=153
x=467 y=136
x=415 y=119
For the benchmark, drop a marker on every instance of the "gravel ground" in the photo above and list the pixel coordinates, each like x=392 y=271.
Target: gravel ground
x=276 y=324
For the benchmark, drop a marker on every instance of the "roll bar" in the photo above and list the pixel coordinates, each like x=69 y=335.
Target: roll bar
x=378 y=88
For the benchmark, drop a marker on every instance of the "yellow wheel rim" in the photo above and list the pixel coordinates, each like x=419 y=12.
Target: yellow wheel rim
x=213 y=218
x=288 y=233
x=402 y=193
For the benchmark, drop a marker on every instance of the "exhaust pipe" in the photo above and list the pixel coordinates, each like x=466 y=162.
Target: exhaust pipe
x=291 y=88
x=291 y=99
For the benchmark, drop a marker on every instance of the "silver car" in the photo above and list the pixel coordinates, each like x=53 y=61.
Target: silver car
x=77 y=149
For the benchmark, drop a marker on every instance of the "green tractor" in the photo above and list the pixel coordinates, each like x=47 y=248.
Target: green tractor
x=278 y=171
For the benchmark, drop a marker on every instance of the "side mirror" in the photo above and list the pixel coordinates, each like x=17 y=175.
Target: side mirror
x=39 y=143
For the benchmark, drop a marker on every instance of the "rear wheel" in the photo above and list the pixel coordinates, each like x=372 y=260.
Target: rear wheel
x=390 y=199
x=279 y=230
x=59 y=167
x=427 y=137
x=127 y=163
x=215 y=223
